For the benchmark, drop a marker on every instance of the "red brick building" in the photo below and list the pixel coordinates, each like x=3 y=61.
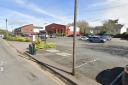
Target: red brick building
x=24 y=30
x=28 y=30
x=61 y=29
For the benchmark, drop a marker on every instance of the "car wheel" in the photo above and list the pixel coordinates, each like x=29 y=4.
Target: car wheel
x=102 y=41
x=90 y=40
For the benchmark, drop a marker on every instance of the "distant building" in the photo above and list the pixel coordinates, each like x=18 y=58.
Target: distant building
x=60 y=29
x=124 y=29
x=28 y=30
x=71 y=29
x=117 y=30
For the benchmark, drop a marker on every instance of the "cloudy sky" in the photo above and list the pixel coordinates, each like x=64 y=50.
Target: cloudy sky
x=38 y=12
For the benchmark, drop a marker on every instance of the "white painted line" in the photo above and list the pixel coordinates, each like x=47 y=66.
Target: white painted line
x=63 y=54
x=53 y=50
x=86 y=63
x=1 y=69
x=63 y=58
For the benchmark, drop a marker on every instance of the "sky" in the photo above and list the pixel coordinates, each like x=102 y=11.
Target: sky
x=40 y=12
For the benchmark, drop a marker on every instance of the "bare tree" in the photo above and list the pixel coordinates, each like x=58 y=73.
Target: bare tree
x=83 y=25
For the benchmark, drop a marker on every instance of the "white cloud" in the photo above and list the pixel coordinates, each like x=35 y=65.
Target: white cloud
x=28 y=5
x=118 y=10
x=21 y=18
x=16 y=19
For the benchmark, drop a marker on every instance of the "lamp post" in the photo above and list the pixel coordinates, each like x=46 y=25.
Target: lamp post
x=74 y=36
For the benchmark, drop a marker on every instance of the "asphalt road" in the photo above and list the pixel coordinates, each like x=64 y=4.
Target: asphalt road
x=15 y=70
x=92 y=59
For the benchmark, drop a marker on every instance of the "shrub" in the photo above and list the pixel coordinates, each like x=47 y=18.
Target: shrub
x=58 y=34
x=123 y=36
x=42 y=45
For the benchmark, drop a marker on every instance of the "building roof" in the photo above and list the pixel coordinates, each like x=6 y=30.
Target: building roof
x=56 y=24
x=23 y=26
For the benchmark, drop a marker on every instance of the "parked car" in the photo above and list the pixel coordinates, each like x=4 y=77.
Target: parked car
x=83 y=38
x=97 y=39
x=43 y=36
x=108 y=38
x=52 y=36
x=1 y=35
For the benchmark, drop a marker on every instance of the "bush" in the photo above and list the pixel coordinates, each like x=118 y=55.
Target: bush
x=58 y=34
x=18 y=38
x=123 y=36
x=42 y=45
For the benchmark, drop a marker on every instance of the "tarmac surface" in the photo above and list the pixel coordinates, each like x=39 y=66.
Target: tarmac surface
x=15 y=70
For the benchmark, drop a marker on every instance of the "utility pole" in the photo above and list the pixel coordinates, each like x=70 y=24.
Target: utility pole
x=6 y=21
x=74 y=35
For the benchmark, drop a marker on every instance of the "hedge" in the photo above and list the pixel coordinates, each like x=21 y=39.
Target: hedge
x=18 y=38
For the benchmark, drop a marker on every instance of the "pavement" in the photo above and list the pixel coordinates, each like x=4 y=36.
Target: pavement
x=15 y=70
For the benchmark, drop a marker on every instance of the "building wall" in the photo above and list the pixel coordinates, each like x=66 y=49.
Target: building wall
x=55 y=28
x=63 y=29
x=71 y=29
x=24 y=30
x=27 y=29
x=37 y=29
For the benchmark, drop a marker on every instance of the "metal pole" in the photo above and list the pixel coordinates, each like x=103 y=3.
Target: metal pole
x=74 y=36
x=6 y=27
x=6 y=24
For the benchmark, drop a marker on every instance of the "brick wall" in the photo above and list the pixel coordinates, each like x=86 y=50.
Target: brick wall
x=55 y=28
x=27 y=29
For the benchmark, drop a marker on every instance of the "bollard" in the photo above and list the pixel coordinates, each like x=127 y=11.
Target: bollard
x=125 y=76
x=30 y=48
x=33 y=49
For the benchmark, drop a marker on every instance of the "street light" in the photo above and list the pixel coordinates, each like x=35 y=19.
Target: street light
x=74 y=35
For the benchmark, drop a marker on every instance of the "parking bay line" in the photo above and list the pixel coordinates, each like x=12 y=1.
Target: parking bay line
x=53 y=50
x=63 y=54
x=1 y=69
x=86 y=63
x=63 y=58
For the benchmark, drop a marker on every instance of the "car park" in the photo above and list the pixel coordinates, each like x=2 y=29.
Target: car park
x=97 y=39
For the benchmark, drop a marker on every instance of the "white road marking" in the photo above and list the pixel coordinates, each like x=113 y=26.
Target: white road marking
x=53 y=50
x=63 y=58
x=1 y=69
x=63 y=54
x=86 y=63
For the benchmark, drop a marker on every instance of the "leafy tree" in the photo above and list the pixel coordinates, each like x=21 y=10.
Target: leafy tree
x=111 y=26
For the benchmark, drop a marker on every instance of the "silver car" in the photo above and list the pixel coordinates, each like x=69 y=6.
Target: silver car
x=97 y=39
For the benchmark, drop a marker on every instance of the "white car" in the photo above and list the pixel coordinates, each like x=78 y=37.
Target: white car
x=83 y=38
